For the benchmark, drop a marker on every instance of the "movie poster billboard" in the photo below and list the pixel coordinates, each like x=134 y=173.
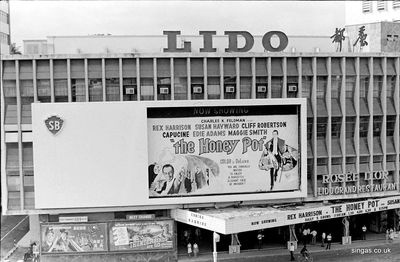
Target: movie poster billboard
x=73 y=238
x=220 y=150
x=141 y=235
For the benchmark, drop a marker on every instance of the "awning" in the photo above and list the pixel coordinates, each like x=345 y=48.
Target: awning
x=163 y=67
x=230 y=67
x=336 y=150
x=309 y=150
x=322 y=170
x=112 y=68
x=292 y=67
x=230 y=220
x=306 y=67
x=335 y=67
x=364 y=168
x=321 y=67
x=261 y=67
x=351 y=168
x=321 y=108
x=390 y=107
x=94 y=68
x=310 y=112
x=390 y=68
x=363 y=107
x=128 y=68
x=364 y=150
x=276 y=67
x=213 y=67
x=377 y=107
x=337 y=169
x=336 y=111
x=350 y=66
x=180 y=67
x=321 y=148
x=377 y=146
x=350 y=150
x=350 y=110
x=245 y=67
x=196 y=67
x=390 y=145
x=146 y=67
x=390 y=166
x=377 y=167
x=364 y=69
x=377 y=67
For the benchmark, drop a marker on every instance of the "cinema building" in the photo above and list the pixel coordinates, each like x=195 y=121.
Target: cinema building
x=87 y=140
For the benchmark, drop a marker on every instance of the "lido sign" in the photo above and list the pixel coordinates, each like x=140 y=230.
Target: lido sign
x=232 y=41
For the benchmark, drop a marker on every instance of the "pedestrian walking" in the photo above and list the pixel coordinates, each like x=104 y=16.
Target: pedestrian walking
x=197 y=234
x=291 y=249
x=308 y=235
x=364 y=232
x=195 y=249
x=328 y=241
x=260 y=237
x=387 y=235
x=391 y=235
x=323 y=236
x=305 y=235
x=314 y=237
x=189 y=249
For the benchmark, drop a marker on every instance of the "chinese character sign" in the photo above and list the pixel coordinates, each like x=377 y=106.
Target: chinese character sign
x=338 y=38
x=362 y=36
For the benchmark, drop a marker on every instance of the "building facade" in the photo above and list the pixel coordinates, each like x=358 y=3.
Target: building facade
x=353 y=117
x=5 y=41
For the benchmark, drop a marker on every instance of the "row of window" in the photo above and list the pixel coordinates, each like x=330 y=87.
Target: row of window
x=4 y=38
x=381 y=5
x=4 y=17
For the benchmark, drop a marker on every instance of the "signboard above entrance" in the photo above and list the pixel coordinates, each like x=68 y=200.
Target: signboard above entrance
x=233 y=36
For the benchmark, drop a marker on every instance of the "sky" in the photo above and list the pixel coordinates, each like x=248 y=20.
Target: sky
x=39 y=19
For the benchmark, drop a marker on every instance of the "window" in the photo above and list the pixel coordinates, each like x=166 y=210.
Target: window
x=336 y=125
x=180 y=81
x=396 y=3
x=4 y=38
x=366 y=6
x=321 y=86
x=390 y=123
x=309 y=128
x=61 y=90
x=112 y=89
x=261 y=87
x=306 y=86
x=377 y=125
x=390 y=85
x=4 y=17
x=364 y=85
x=129 y=89
x=336 y=84
x=78 y=90
x=321 y=126
x=43 y=90
x=95 y=90
x=350 y=125
x=276 y=87
x=381 y=5
x=364 y=121
x=350 y=86
x=378 y=81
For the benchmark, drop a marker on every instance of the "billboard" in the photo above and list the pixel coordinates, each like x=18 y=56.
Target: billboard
x=219 y=150
x=141 y=235
x=124 y=148
x=73 y=238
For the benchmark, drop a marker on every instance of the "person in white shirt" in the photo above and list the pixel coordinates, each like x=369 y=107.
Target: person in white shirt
x=323 y=236
x=291 y=249
x=364 y=232
x=314 y=237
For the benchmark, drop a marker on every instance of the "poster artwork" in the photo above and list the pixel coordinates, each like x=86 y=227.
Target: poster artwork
x=66 y=238
x=141 y=235
x=223 y=150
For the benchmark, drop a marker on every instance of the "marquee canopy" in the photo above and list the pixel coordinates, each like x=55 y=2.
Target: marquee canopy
x=235 y=220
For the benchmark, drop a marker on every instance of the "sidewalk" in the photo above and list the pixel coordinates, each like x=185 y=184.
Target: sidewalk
x=372 y=240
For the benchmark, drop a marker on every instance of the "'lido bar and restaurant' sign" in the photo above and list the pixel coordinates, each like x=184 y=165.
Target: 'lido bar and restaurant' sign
x=233 y=37
x=367 y=187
